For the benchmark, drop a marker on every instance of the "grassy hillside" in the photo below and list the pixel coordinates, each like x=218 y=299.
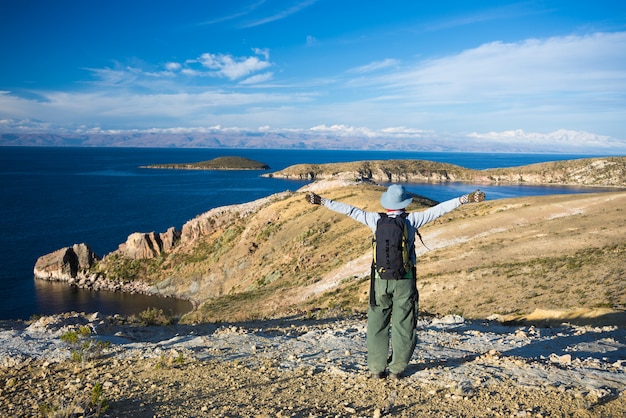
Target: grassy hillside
x=508 y=257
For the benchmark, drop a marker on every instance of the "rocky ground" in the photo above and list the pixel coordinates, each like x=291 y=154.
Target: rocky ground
x=310 y=367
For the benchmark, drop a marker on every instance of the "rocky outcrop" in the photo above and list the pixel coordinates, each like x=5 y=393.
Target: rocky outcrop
x=66 y=264
x=73 y=265
x=141 y=245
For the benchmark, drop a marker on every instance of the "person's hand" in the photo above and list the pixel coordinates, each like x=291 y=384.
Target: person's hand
x=474 y=197
x=313 y=199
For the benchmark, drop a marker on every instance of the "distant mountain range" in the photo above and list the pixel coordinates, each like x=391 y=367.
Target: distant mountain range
x=561 y=141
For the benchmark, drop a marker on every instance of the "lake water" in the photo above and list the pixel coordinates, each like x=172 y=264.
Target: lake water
x=55 y=197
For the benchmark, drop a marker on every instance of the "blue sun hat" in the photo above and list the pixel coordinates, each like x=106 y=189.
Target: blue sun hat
x=395 y=198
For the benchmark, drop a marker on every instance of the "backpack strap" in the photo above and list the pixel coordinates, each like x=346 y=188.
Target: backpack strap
x=417 y=232
x=372 y=286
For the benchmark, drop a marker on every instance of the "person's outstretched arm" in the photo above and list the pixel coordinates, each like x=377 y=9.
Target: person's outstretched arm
x=419 y=219
x=359 y=215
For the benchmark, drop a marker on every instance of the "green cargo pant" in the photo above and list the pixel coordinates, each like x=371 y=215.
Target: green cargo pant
x=396 y=307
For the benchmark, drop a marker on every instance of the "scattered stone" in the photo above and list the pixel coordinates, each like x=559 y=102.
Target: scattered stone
x=240 y=370
x=564 y=360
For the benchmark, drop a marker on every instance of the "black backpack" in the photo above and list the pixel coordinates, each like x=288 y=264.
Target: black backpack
x=392 y=258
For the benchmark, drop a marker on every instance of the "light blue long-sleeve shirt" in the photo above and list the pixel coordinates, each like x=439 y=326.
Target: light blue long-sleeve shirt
x=415 y=220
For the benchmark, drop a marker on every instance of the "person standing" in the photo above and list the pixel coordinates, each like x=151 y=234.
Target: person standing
x=395 y=298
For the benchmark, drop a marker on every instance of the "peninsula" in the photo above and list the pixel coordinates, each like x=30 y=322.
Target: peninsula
x=219 y=163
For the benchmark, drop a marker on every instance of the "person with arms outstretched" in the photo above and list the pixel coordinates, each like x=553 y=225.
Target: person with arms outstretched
x=393 y=290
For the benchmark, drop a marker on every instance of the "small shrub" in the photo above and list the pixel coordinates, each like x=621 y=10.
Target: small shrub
x=155 y=316
x=91 y=406
x=84 y=345
x=98 y=403
x=167 y=361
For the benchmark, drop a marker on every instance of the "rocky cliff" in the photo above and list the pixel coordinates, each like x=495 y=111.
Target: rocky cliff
x=141 y=245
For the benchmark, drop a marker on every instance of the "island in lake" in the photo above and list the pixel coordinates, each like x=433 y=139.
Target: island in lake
x=219 y=163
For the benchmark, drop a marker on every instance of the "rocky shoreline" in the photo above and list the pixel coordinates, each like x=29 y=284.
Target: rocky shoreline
x=71 y=265
x=75 y=265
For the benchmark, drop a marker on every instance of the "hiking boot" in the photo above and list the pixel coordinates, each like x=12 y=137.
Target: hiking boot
x=380 y=375
x=395 y=376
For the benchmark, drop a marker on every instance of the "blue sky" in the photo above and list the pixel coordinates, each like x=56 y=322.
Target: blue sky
x=510 y=70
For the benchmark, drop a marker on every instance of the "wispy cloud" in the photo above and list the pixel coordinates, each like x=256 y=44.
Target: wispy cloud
x=244 y=12
x=261 y=13
x=510 y=11
x=257 y=79
x=375 y=66
x=117 y=76
x=536 y=68
x=281 y=14
x=311 y=41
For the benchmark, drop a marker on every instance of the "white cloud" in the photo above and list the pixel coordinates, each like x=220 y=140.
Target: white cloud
x=207 y=65
x=265 y=52
x=118 y=108
x=562 y=137
x=365 y=132
x=172 y=66
x=231 y=67
x=192 y=73
x=344 y=130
